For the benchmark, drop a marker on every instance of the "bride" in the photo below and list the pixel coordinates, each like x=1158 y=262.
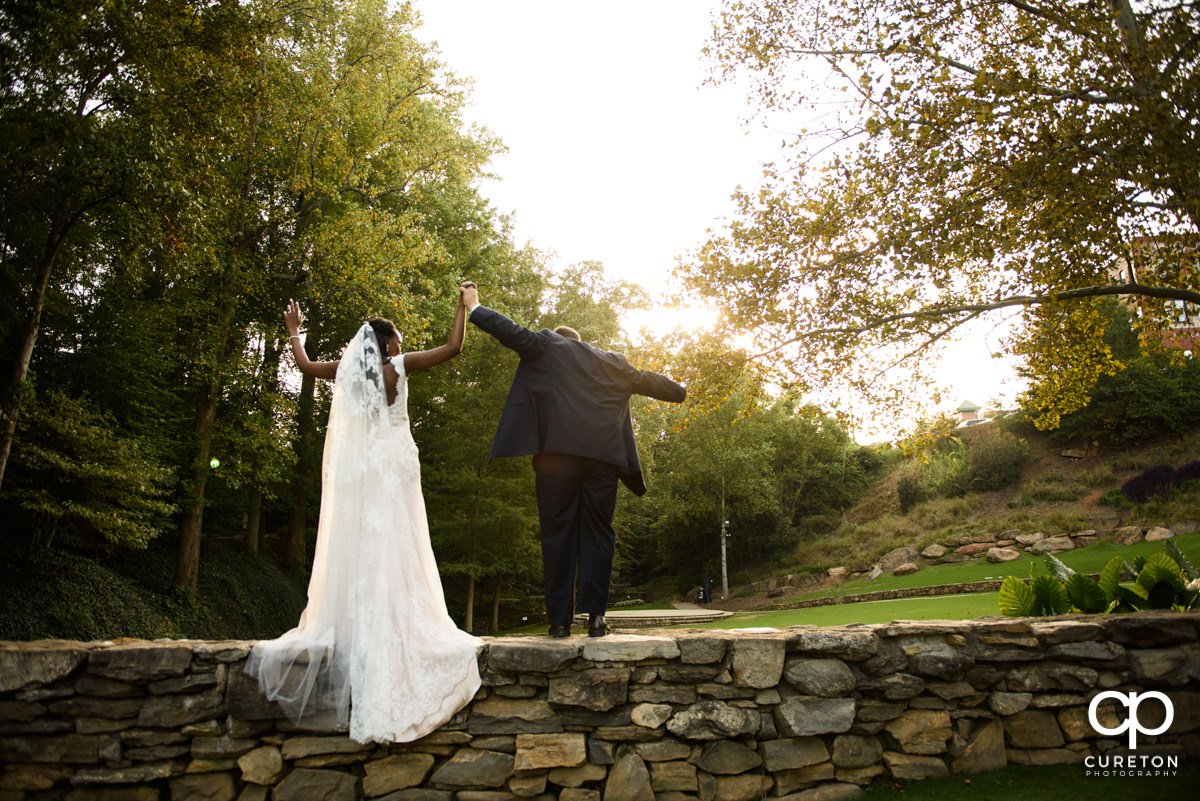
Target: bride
x=375 y=646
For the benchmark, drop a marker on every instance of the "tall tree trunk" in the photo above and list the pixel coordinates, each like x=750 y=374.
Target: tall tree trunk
x=254 y=520
x=496 y=604
x=270 y=385
x=469 y=619
x=293 y=549
x=187 y=564
x=11 y=408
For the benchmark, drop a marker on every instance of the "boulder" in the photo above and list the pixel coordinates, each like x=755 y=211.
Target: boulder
x=1158 y=534
x=894 y=558
x=1000 y=555
x=1128 y=535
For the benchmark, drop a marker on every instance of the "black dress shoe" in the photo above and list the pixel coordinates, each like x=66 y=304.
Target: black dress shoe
x=597 y=626
x=558 y=632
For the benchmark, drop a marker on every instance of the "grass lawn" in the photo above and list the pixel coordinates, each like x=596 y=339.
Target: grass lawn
x=951 y=607
x=1084 y=560
x=946 y=607
x=1052 y=783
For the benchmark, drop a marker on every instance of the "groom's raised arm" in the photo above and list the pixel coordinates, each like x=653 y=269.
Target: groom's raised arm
x=526 y=343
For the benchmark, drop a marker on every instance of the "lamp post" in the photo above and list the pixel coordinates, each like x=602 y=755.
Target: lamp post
x=724 y=568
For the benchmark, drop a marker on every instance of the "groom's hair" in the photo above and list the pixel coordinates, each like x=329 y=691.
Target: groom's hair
x=568 y=332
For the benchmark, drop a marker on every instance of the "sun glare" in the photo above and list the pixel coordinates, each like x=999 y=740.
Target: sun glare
x=662 y=320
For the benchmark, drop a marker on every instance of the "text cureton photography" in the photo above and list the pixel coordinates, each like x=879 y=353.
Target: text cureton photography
x=1131 y=765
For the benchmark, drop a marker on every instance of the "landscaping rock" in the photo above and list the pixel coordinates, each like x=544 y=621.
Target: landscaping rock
x=894 y=558
x=1128 y=535
x=1000 y=555
x=1158 y=534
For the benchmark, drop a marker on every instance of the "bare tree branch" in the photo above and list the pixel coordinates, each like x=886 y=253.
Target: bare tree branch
x=973 y=310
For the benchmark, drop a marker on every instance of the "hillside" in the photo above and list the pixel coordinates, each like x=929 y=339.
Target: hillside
x=1065 y=488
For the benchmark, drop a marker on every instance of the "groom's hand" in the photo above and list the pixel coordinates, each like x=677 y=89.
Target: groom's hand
x=469 y=293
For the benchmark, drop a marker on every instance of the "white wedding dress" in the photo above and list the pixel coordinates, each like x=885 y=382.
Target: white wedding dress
x=375 y=647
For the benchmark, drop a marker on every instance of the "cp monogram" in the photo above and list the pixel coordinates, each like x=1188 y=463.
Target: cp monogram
x=1132 y=724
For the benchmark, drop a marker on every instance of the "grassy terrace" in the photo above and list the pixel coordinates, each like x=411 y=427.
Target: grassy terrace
x=953 y=607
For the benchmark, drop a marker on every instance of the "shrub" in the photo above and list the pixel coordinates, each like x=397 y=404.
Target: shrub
x=945 y=474
x=909 y=491
x=1158 y=481
x=996 y=461
x=71 y=475
x=1100 y=476
x=1189 y=472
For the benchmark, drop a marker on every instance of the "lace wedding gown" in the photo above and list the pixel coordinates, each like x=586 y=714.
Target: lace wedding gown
x=375 y=647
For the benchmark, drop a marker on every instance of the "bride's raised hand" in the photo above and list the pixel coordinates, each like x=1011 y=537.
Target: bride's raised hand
x=293 y=318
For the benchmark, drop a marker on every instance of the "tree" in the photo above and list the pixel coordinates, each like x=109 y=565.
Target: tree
x=985 y=156
x=103 y=105
x=347 y=144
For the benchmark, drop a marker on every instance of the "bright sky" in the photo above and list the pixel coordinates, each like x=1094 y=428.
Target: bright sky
x=617 y=151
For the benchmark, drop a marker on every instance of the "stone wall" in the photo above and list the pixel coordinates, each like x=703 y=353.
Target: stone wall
x=802 y=713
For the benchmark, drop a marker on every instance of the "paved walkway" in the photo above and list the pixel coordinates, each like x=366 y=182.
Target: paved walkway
x=682 y=615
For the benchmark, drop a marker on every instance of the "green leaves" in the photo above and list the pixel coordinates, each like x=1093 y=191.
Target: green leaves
x=1158 y=583
x=963 y=160
x=1042 y=596
x=72 y=476
x=1086 y=595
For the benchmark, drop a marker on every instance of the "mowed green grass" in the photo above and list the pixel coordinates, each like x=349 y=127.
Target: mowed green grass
x=950 y=607
x=1091 y=559
x=946 y=607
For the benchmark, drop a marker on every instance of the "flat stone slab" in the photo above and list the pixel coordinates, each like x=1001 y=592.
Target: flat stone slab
x=654 y=618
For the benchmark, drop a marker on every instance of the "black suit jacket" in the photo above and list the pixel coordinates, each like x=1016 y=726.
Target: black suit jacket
x=570 y=397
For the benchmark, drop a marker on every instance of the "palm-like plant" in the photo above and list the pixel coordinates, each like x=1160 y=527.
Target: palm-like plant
x=1164 y=581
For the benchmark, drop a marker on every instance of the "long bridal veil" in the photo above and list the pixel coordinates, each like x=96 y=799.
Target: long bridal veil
x=308 y=670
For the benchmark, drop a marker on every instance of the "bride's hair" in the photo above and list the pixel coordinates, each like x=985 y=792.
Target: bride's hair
x=384 y=330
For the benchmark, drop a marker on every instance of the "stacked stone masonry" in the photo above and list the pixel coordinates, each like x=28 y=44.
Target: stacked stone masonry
x=801 y=713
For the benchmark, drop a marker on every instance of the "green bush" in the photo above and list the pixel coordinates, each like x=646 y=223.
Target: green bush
x=995 y=461
x=70 y=475
x=910 y=493
x=944 y=473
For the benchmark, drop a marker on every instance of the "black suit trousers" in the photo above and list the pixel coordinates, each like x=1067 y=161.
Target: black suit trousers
x=576 y=499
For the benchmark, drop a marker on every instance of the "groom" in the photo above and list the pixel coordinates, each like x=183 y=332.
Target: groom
x=569 y=407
